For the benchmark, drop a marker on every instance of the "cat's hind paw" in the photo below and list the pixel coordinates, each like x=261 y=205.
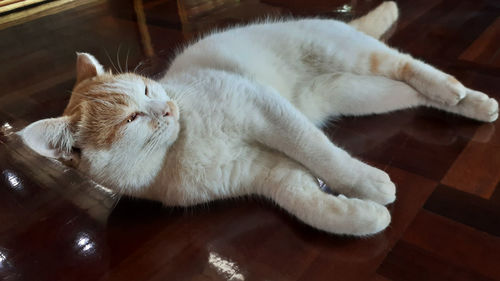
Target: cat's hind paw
x=390 y=9
x=447 y=90
x=478 y=106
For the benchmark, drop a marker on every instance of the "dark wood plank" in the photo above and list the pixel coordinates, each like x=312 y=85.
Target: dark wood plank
x=468 y=209
x=455 y=243
x=411 y=263
x=485 y=49
x=359 y=259
x=476 y=168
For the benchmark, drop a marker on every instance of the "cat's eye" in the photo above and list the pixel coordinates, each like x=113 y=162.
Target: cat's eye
x=146 y=91
x=132 y=117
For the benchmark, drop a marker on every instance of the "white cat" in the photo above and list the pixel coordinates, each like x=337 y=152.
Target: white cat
x=237 y=114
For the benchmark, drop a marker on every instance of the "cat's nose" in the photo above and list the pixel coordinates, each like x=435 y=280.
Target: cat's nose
x=172 y=110
x=160 y=109
x=166 y=110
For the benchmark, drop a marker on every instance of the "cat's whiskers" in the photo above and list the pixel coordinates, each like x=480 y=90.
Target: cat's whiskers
x=126 y=60
x=186 y=91
x=111 y=61
x=155 y=137
x=118 y=58
x=137 y=66
x=149 y=147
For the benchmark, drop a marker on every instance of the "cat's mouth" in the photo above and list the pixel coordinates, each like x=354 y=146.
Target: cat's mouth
x=164 y=131
x=156 y=137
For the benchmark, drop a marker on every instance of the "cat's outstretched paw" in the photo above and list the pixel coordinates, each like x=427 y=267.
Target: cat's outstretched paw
x=478 y=106
x=365 y=217
x=374 y=185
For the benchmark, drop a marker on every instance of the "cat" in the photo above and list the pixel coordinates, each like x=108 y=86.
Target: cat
x=238 y=113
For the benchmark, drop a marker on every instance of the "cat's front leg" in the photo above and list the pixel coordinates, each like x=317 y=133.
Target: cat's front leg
x=293 y=188
x=279 y=125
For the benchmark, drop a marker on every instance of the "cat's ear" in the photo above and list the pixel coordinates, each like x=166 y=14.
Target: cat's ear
x=87 y=67
x=49 y=137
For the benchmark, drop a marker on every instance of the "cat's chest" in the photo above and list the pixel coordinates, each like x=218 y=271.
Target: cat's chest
x=204 y=161
x=212 y=147
x=211 y=130
x=210 y=137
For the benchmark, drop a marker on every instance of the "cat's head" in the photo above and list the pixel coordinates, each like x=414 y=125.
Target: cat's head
x=115 y=128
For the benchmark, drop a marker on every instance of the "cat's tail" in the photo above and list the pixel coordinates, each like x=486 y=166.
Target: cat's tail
x=378 y=20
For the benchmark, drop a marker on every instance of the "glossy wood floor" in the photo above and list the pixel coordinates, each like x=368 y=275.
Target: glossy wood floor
x=55 y=225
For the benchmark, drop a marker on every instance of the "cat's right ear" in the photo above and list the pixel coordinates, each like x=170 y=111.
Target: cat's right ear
x=49 y=137
x=87 y=67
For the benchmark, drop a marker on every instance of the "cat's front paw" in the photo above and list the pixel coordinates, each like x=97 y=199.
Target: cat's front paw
x=365 y=217
x=375 y=185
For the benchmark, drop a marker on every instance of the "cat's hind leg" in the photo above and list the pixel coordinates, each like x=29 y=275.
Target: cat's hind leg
x=355 y=52
x=293 y=188
x=378 y=59
x=342 y=94
x=377 y=21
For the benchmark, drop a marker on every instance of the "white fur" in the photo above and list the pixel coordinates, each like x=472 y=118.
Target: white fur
x=250 y=100
x=53 y=138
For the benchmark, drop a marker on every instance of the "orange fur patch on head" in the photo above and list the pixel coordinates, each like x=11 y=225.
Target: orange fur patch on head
x=81 y=89
x=102 y=119
x=97 y=115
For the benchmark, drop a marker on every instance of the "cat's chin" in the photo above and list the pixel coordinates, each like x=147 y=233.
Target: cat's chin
x=122 y=182
x=171 y=133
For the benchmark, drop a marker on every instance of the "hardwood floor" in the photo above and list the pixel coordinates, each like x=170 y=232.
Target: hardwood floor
x=56 y=225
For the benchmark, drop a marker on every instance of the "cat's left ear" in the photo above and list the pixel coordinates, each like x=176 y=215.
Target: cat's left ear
x=49 y=137
x=87 y=67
